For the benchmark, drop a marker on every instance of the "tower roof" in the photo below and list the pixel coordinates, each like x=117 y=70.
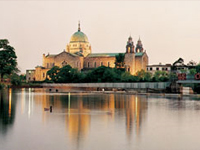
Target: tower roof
x=139 y=39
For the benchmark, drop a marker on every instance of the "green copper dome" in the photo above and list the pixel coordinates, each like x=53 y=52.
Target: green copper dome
x=78 y=37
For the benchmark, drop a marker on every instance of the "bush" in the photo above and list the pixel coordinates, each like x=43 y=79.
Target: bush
x=15 y=79
x=2 y=86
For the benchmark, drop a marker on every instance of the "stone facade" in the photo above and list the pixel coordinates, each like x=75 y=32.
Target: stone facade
x=97 y=60
x=62 y=59
x=78 y=55
x=135 y=59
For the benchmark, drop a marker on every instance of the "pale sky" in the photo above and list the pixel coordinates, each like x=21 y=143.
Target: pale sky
x=168 y=29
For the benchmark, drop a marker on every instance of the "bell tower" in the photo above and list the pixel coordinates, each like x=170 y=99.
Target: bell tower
x=130 y=45
x=130 y=56
x=139 y=47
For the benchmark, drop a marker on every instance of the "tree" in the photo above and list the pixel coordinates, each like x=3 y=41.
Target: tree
x=110 y=76
x=192 y=71
x=160 y=76
x=102 y=74
x=8 y=58
x=15 y=79
x=127 y=77
x=147 y=76
x=119 y=60
x=68 y=74
x=52 y=73
x=144 y=76
x=198 y=68
x=172 y=77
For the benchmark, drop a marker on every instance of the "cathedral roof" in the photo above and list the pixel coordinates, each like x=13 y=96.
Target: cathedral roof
x=103 y=55
x=78 y=36
x=54 y=55
x=139 y=54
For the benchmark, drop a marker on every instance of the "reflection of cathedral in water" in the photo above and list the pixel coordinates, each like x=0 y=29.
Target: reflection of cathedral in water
x=81 y=109
x=135 y=113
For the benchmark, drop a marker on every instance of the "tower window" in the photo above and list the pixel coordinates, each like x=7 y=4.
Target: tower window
x=43 y=74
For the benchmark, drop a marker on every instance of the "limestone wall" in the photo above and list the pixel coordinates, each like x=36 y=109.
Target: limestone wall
x=74 y=47
x=63 y=59
x=130 y=62
x=48 y=62
x=141 y=63
x=94 y=62
x=40 y=74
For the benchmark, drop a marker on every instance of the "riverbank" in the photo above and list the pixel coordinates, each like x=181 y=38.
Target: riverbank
x=120 y=92
x=158 y=89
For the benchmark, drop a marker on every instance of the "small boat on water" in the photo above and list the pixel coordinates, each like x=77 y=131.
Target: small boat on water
x=48 y=109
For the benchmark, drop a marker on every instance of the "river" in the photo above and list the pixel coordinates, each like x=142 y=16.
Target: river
x=96 y=121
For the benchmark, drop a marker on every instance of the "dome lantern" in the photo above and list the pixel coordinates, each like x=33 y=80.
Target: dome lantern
x=79 y=28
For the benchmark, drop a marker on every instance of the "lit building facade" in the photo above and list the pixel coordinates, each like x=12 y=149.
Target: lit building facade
x=78 y=54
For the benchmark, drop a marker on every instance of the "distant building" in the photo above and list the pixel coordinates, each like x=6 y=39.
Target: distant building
x=179 y=65
x=78 y=54
x=153 y=68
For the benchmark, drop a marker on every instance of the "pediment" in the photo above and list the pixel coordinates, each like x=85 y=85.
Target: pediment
x=65 y=54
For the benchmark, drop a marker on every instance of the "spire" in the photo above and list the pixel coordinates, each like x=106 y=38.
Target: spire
x=139 y=39
x=79 y=29
x=139 y=47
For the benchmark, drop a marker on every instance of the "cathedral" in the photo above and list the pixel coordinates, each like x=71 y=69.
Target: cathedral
x=78 y=54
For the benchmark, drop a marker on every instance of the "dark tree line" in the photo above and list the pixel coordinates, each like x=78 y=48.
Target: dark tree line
x=67 y=74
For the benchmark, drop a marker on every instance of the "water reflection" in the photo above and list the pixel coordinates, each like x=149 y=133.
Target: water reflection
x=87 y=120
x=7 y=110
x=80 y=109
x=135 y=114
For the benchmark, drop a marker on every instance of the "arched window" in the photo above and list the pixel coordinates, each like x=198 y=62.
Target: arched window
x=108 y=64
x=64 y=63
x=88 y=64
x=95 y=64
